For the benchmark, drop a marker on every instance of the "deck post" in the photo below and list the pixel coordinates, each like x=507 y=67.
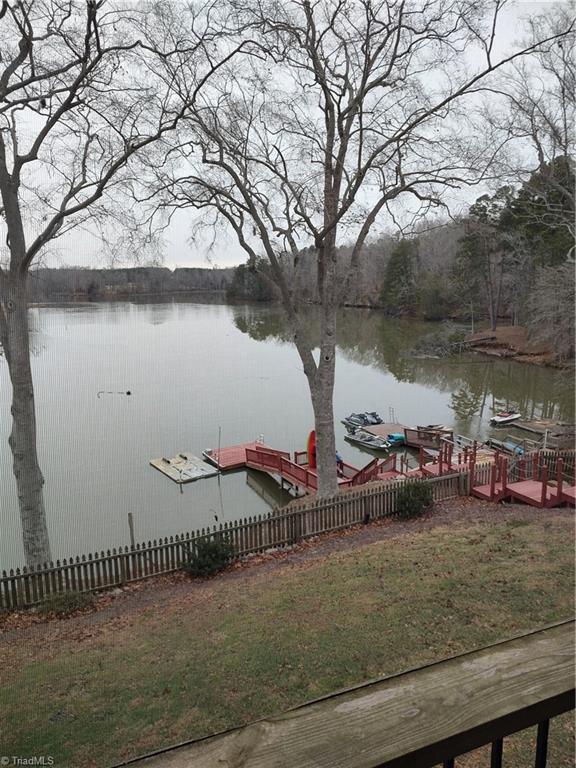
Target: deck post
x=559 y=479
x=493 y=482
x=504 y=472
x=544 y=478
x=420 y=457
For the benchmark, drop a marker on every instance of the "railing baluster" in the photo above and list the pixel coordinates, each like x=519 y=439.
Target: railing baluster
x=542 y=744
x=496 y=754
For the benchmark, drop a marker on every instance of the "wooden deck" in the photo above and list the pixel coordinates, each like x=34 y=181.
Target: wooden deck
x=489 y=492
x=414 y=719
x=383 y=430
x=530 y=480
x=533 y=492
x=436 y=469
x=541 y=426
x=415 y=437
x=232 y=457
x=296 y=472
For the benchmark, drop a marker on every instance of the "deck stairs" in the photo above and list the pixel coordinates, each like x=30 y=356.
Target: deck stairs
x=525 y=479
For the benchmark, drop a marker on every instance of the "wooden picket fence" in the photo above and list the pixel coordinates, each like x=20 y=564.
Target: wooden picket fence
x=280 y=528
x=550 y=459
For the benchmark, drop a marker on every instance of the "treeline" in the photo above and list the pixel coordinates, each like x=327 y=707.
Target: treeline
x=91 y=284
x=509 y=260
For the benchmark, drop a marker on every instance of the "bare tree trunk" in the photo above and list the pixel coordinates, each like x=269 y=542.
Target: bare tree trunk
x=22 y=440
x=321 y=376
x=322 y=392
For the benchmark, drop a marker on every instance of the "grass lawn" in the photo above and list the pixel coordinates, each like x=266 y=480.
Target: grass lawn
x=238 y=648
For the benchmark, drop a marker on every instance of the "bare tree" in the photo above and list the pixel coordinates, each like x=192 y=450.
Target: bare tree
x=349 y=106
x=552 y=309
x=84 y=87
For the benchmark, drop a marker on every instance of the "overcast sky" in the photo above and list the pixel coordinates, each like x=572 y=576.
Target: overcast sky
x=80 y=249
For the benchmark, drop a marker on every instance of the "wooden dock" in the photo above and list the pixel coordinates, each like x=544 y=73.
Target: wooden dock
x=529 y=483
x=533 y=492
x=232 y=457
x=492 y=482
x=294 y=471
x=414 y=437
x=541 y=426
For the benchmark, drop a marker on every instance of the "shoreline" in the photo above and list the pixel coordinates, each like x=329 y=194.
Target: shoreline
x=506 y=342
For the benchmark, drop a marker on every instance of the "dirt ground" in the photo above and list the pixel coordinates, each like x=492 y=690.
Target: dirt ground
x=511 y=341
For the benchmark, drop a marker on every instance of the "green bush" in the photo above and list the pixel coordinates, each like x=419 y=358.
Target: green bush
x=64 y=603
x=414 y=499
x=208 y=556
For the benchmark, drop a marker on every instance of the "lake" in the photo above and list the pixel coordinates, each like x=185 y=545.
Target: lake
x=196 y=369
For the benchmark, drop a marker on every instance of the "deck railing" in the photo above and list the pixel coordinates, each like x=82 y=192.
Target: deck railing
x=22 y=587
x=418 y=719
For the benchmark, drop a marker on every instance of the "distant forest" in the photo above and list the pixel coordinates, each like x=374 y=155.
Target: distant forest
x=90 y=284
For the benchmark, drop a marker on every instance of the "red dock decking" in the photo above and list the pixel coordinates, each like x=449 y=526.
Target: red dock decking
x=232 y=457
x=295 y=470
x=489 y=492
x=533 y=492
x=257 y=455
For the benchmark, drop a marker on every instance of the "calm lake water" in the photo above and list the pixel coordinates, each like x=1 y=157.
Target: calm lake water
x=194 y=368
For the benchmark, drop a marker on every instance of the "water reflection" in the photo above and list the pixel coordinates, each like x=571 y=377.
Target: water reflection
x=478 y=386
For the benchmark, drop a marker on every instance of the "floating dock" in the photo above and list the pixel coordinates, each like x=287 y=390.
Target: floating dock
x=184 y=468
x=541 y=426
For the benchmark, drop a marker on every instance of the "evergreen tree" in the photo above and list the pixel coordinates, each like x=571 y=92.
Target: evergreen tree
x=398 y=295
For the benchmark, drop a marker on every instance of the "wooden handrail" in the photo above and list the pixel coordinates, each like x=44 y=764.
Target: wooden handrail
x=417 y=718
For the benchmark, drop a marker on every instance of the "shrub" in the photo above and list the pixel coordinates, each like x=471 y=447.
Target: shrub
x=208 y=556
x=64 y=603
x=414 y=499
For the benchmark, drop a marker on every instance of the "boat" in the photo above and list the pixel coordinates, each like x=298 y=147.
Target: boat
x=506 y=446
x=366 y=440
x=505 y=417
x=356 y=420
